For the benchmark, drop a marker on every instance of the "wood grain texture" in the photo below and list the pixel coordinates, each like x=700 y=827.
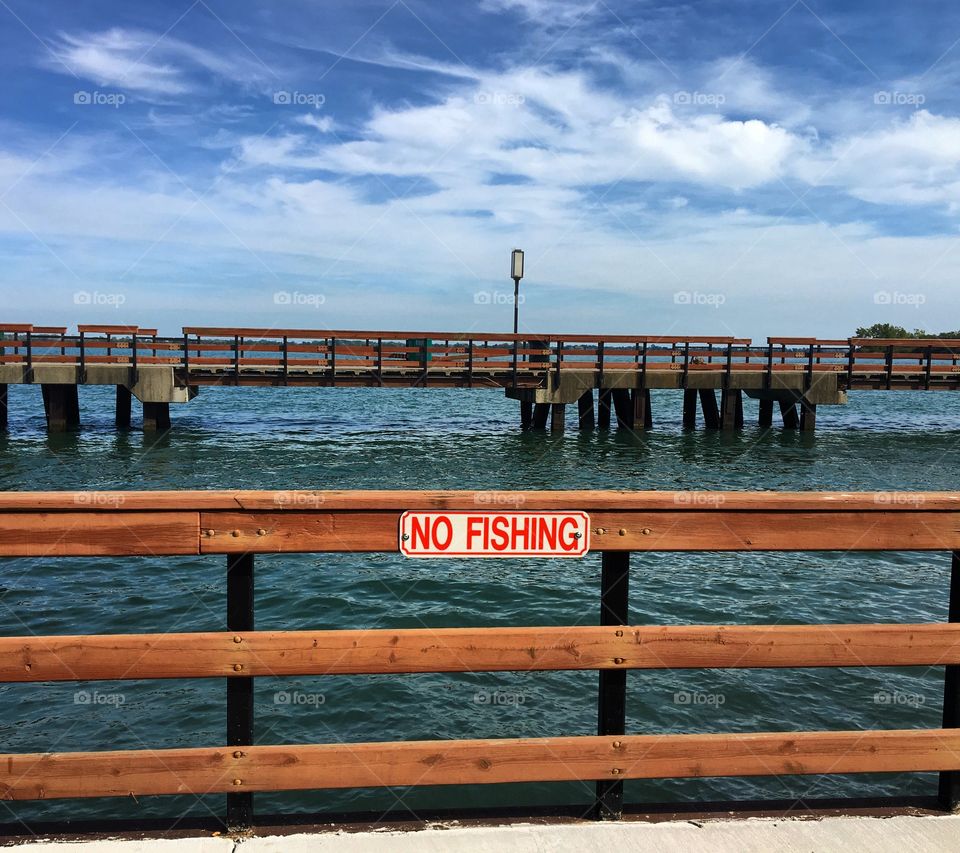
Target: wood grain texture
x=363 y=765
x=289 y=653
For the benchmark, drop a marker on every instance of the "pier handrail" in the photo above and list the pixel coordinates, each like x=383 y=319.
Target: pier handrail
x=241 y=524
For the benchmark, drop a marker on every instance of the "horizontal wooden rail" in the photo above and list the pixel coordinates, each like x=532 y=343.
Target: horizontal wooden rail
x=359 y=652
x=143 y=523
x=362 y=765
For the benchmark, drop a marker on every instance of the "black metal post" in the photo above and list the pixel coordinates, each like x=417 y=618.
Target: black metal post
x=239 y=688
x=286 y=359
x=950 y=780
x=236 y=359
x=768 y=378
x=186 y=354
x=333 y=361
x=612 y=699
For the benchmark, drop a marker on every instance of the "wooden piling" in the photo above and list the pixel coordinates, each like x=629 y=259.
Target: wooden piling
x=642 y=413
x=621 y=405
x=124 y=398
x=766 y=413
x=689 y=408
x=540 y=413
x=731 y=408
x=808 y=416
x=558 y=413
x=526 y=414
x=603 y=409
x=585 y=410
x=788 y=410
x=711 y=412
x=3 y=407
x=61 y=404
x=156 y=417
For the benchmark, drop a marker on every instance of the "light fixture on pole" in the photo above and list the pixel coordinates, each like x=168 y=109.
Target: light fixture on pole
x=516 y=273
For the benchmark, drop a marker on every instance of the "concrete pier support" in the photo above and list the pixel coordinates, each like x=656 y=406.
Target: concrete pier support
x=526 y=413
x=3 y=407
x=788 y=410
x=689 y=408
x=621 y=405
x=541 y=412
x=711 y=412
x=124 y=398
x=558 y=413
x=642 y=413
x=585 y=410
x=61 y=405
x=808 y=416
x=156 y=417
x=603 y=409
x=766 y=413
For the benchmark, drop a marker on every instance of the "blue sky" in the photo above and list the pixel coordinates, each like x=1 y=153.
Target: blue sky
x=749 y=168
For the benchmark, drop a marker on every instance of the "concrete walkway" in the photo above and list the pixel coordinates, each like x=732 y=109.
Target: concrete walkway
x=759 y=835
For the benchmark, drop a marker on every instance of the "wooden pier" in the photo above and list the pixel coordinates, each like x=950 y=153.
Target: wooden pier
x=609 y=378
x=235 y=527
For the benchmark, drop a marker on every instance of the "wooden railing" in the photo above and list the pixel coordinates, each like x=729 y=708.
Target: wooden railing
x=240 y=525
x=226 y=354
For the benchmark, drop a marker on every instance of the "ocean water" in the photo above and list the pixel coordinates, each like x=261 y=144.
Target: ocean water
x=378 y=438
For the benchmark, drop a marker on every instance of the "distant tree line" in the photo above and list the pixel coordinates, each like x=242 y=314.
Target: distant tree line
x=888 y=330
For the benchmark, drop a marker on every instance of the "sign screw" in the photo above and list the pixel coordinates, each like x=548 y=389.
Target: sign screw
x=405 y=537
x=578 y=535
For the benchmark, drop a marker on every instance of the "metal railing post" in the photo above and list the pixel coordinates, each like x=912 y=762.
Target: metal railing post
x=949 y=791
x=240 y=597
x=612 y=697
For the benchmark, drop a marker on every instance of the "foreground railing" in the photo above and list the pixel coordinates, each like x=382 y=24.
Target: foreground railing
x=240 y=525
x=224 y=355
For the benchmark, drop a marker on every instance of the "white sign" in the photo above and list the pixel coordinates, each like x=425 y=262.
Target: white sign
x=494 y=534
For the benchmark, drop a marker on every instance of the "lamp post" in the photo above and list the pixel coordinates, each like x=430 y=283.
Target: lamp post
x=516 y=273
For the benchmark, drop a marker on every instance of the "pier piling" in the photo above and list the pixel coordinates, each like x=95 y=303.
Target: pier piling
x=621 y=404
x=540 y=413
x=603 y=409
x=689 y=408
x=585 y=410
x=788 y=409
x=808 y=416
x=124 y=398
x=711 y=412
x=526 y=414
x=61 y=404
x=766 y=413
x=642 y=413
x=156 y=417
x=558 y=412
x=3 y=407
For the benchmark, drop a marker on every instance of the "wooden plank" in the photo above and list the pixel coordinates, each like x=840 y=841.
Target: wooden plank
x=98 y=533
x=711 y=530
x=369 y=765
x=289 y=653
x=389 y=500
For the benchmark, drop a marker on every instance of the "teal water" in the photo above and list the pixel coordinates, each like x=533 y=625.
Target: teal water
x=365 y=438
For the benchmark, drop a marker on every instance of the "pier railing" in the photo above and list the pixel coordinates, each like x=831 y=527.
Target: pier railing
x=238 y=526
x=221 y=355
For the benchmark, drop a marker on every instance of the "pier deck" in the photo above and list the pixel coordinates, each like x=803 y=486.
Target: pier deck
x=544 y=373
